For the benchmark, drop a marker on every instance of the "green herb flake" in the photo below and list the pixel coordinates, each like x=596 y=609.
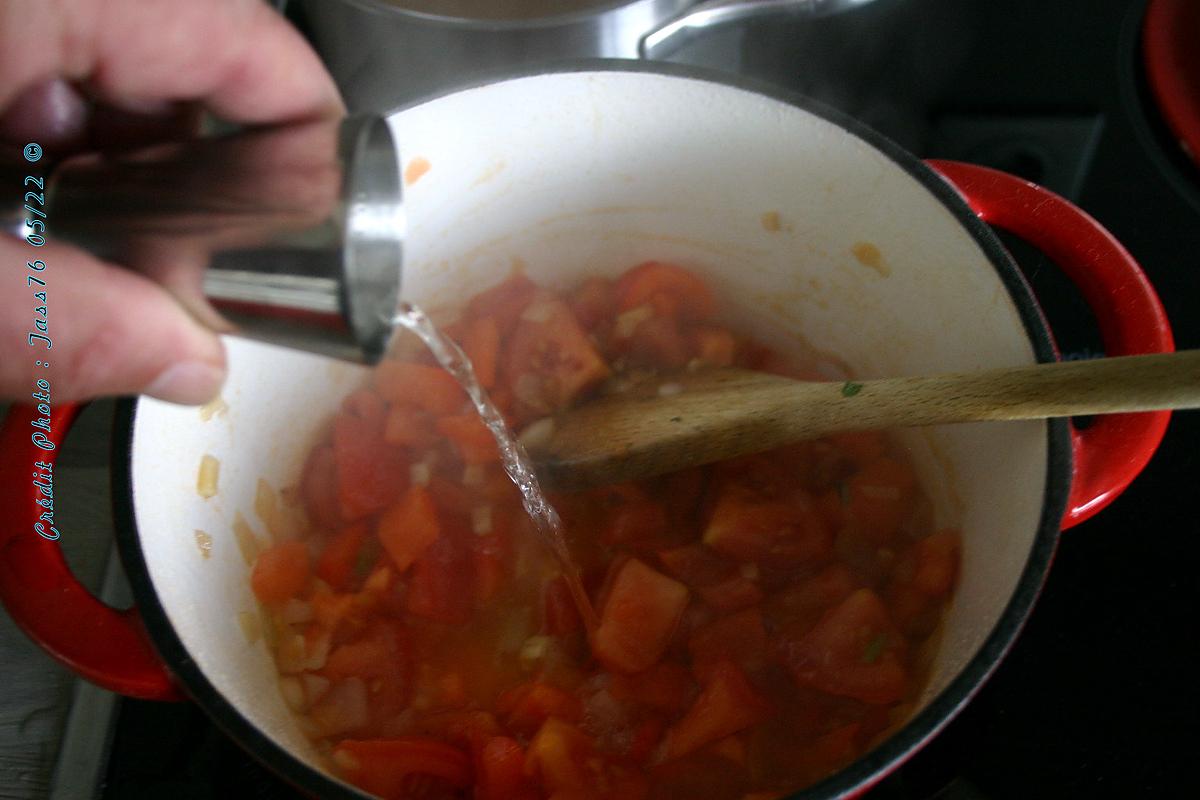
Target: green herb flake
x=874 y=649
x=850 y=388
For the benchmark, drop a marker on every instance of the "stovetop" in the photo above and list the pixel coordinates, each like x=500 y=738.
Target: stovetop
x=1099 y=697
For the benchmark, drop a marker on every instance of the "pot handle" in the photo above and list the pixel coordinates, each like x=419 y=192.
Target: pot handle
x=1111 y=453
x=104 y=645
x=695 y=21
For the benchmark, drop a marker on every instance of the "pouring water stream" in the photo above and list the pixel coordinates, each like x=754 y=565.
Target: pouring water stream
x=513 y=457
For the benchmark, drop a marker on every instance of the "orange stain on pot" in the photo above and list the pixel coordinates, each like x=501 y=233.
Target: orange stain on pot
x=869 y=255
x=416 y=169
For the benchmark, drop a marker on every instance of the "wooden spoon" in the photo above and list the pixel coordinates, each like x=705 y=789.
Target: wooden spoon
x=684 y=420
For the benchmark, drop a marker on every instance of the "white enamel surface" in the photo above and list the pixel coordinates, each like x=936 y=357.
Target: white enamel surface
x=589 y=173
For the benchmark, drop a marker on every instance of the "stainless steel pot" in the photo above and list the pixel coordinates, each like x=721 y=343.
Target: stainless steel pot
x=384 y=53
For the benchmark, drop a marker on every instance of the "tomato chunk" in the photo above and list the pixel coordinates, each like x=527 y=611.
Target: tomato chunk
x=481 y=343
x=748 y=527
x=430 y=388
x=500 y=771
x=669 y=288
x=558 y=755
x=879 y=497
x=390 y=767
x=937 y=563
x=440 y=584
x=550 y=360
x=337 y=562
x=726 y=705
x=470 y=437
x=526 y=707
x=504 y=302
x=319 y=488
x=641 y=613
x=281 y=572
x=854 y=651
x=409 y=527
x=370 y=473
x=738 y=638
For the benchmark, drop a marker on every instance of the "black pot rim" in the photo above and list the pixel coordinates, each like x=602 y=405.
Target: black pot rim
x=850 y=781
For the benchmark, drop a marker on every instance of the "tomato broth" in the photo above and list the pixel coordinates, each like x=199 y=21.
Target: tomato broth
x=762 y=621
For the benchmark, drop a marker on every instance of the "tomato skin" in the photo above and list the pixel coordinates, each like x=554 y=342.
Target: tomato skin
x=640 y=615
x=385 y=767
x=408 y=528
x=726 y=705
x=854 y=651
x=281 y=572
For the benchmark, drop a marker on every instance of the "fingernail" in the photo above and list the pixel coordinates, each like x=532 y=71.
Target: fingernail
x=189 y=382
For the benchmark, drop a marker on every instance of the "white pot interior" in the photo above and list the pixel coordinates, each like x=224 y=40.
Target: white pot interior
x=585 y=173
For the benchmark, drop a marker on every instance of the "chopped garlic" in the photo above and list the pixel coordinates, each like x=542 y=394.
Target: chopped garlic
x=206 y=479
x=627 y=322
x=473 y=475
x=481 y=520
x=419 y=474
x=204 y=543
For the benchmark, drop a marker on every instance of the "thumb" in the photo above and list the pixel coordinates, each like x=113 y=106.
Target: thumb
x=98 y=329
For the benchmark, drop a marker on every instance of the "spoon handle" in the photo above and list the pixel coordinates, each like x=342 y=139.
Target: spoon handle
x=722 y=414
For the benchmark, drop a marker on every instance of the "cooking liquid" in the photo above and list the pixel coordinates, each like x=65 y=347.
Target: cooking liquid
x=513 y=457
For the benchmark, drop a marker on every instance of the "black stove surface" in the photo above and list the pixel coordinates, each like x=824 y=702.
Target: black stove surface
x=1099 y=697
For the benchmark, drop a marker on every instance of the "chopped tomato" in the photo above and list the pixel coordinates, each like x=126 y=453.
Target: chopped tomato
x=470 y=437
x=726 y=705
x=370 y=473
x=667 y=686
x=319 y=488
x=481 y=343
x=504 y=302
x=739 y=638
x=500 y=771
x=408 y=528
x=524 y=708
x=337 y=562
x=281 y=572
x=732 y=594
x=406 y=426
x=713 y=346
x=807 y=599
x=634 y=522
x=658 y=342
x=440 y=585
x=381 y=653
x=937 y=563
x=668 y=287
x=366 y=405
x=879 y=497
x=430 y=388
x=550 y=361
x=786 y=532
x=641 y=613
x=694 y=565
x=593 y=302
x=558 y=756
x=854 y=651
x=389 y=768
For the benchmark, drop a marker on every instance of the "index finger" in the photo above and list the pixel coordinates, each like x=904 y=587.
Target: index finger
x=239 y=58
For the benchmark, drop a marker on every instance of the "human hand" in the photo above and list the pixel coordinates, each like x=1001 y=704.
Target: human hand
x=80 y=74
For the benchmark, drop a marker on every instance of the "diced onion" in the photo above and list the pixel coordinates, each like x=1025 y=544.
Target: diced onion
x=290 y=656
x=315 y=686
x=213 y=408
x=533 y=650
x=251 y=626
x=247 y=542
x=481 y=520
x=206 y=479
x=204 y=543
x=627 y=323
x=343 y=708
x=538 y=312
x=267 y=509
x=318 y=653
x=293 y=692
x=670 y=389
x=473 y=475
